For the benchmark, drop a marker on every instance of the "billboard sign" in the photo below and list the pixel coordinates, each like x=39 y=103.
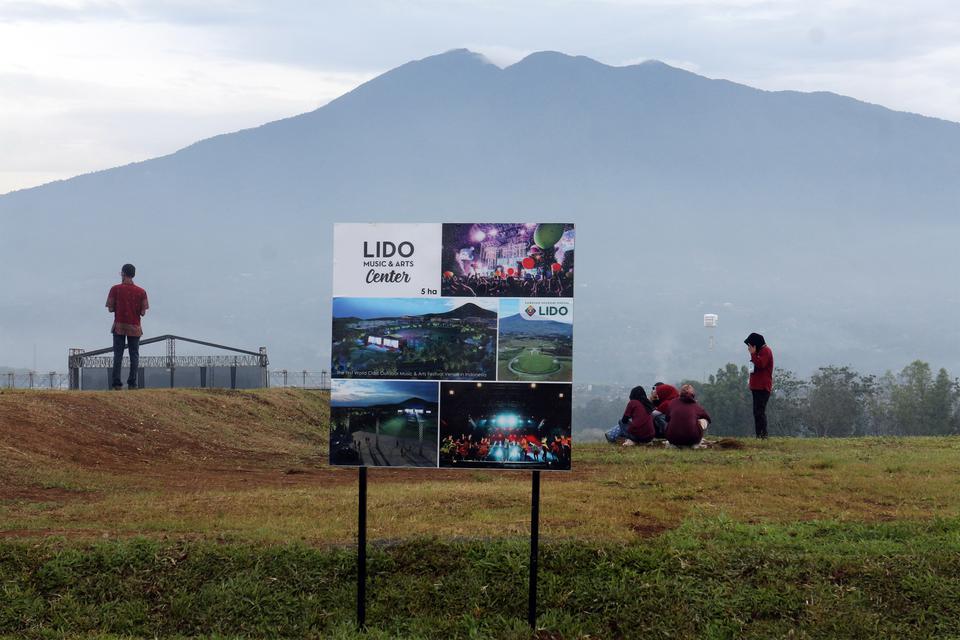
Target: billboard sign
x=452 y=345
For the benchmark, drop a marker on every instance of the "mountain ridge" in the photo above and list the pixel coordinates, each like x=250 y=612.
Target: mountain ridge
x=795 y=214
x=520 y=64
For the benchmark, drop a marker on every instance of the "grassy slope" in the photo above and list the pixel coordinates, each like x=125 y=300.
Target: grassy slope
x=852 y=538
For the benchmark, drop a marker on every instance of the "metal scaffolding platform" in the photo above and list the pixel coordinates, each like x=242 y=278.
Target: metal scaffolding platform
x=243 y=368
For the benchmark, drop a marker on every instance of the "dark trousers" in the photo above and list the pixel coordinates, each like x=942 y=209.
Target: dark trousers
x=660 y=425
x=133 y=346
x=760 y=399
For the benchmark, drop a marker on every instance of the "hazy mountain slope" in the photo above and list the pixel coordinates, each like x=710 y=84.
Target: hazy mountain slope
x=826 y=223
x=516 y=325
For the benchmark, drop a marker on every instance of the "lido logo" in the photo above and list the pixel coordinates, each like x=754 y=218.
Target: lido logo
x=387 y=249
x=547 y=310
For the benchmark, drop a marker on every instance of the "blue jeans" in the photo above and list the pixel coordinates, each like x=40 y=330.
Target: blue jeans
x=618 y=431
x=133 y=346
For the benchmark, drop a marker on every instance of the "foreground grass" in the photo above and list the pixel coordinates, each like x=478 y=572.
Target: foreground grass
x=710 y=578
x=213 y=514
x=613 y=494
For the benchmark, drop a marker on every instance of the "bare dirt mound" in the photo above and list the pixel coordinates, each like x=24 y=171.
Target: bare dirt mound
x=177 y=436
x=59 y=447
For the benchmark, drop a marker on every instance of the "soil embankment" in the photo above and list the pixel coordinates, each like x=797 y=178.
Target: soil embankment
x=61 y=445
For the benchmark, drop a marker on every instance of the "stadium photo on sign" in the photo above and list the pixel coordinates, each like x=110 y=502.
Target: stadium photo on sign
x=532 y=260
x=505 y=425
x=383 y=423
x=536 y=340
x=414 y=338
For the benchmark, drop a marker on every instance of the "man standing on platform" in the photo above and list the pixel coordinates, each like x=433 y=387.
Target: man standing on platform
x=128 y=303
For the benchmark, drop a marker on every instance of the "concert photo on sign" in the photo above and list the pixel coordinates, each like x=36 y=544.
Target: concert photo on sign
x=414 y=338
x=536 y=341
x=532 y=260
x=379 y=423
x=505 y=425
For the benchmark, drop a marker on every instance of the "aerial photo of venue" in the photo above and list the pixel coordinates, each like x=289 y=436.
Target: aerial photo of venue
x=414 y=338
x=505 y=425
x=383 y=423
x=533 y=260
x=533 y=349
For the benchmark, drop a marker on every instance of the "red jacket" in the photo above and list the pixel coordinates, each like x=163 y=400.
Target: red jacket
x=761 y=378
x=641 y=421
x=682 y=427
x=666 y=393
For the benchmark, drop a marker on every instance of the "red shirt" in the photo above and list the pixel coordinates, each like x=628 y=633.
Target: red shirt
x=682 y=427
x=128 y=303
x=761 y=378
x=641 y=421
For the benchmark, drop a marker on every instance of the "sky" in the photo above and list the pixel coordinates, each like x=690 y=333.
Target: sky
x=92 y=84
x=363 y=393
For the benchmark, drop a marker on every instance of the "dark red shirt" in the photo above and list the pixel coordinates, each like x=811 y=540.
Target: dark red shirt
x=641 y=421
x=761 y=378
x=682 y=427
x=128 y=303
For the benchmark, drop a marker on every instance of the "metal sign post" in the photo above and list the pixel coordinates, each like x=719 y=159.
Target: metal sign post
x=534 y=549
x=362 y=552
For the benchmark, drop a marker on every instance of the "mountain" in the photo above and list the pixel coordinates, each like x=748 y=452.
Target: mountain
x=409 y=403
x=468 y=310
x=515 y=324
x=825 y=223
x=416 y=403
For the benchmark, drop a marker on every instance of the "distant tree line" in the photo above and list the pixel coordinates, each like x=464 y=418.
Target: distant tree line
x=835 y=401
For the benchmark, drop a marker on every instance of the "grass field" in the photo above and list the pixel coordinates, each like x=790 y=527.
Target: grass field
x=199 y=513
x=535 y=362
x=532 y=359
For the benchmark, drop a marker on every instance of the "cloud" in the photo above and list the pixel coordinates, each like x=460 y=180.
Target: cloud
x=171 y=12
x=500 y=55
x=360 y=393
x=89 y=84
x=923 y=83
x=75 y=103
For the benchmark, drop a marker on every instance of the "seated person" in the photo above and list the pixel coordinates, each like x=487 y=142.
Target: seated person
x=686 y=419
x=636 y=425
x=662 y=395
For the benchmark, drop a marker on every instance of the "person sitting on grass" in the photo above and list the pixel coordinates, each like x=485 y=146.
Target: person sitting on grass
x=687 y=421
x=662 y=395
x=636 y=425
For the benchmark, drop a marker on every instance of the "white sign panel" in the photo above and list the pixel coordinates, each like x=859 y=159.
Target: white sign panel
x=386 y=260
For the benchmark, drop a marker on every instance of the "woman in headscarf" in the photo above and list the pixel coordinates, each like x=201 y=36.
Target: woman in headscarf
x=761 y=380
x=636 y=425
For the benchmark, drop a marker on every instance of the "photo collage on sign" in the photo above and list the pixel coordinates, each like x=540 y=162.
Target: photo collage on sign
x=452 y=345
